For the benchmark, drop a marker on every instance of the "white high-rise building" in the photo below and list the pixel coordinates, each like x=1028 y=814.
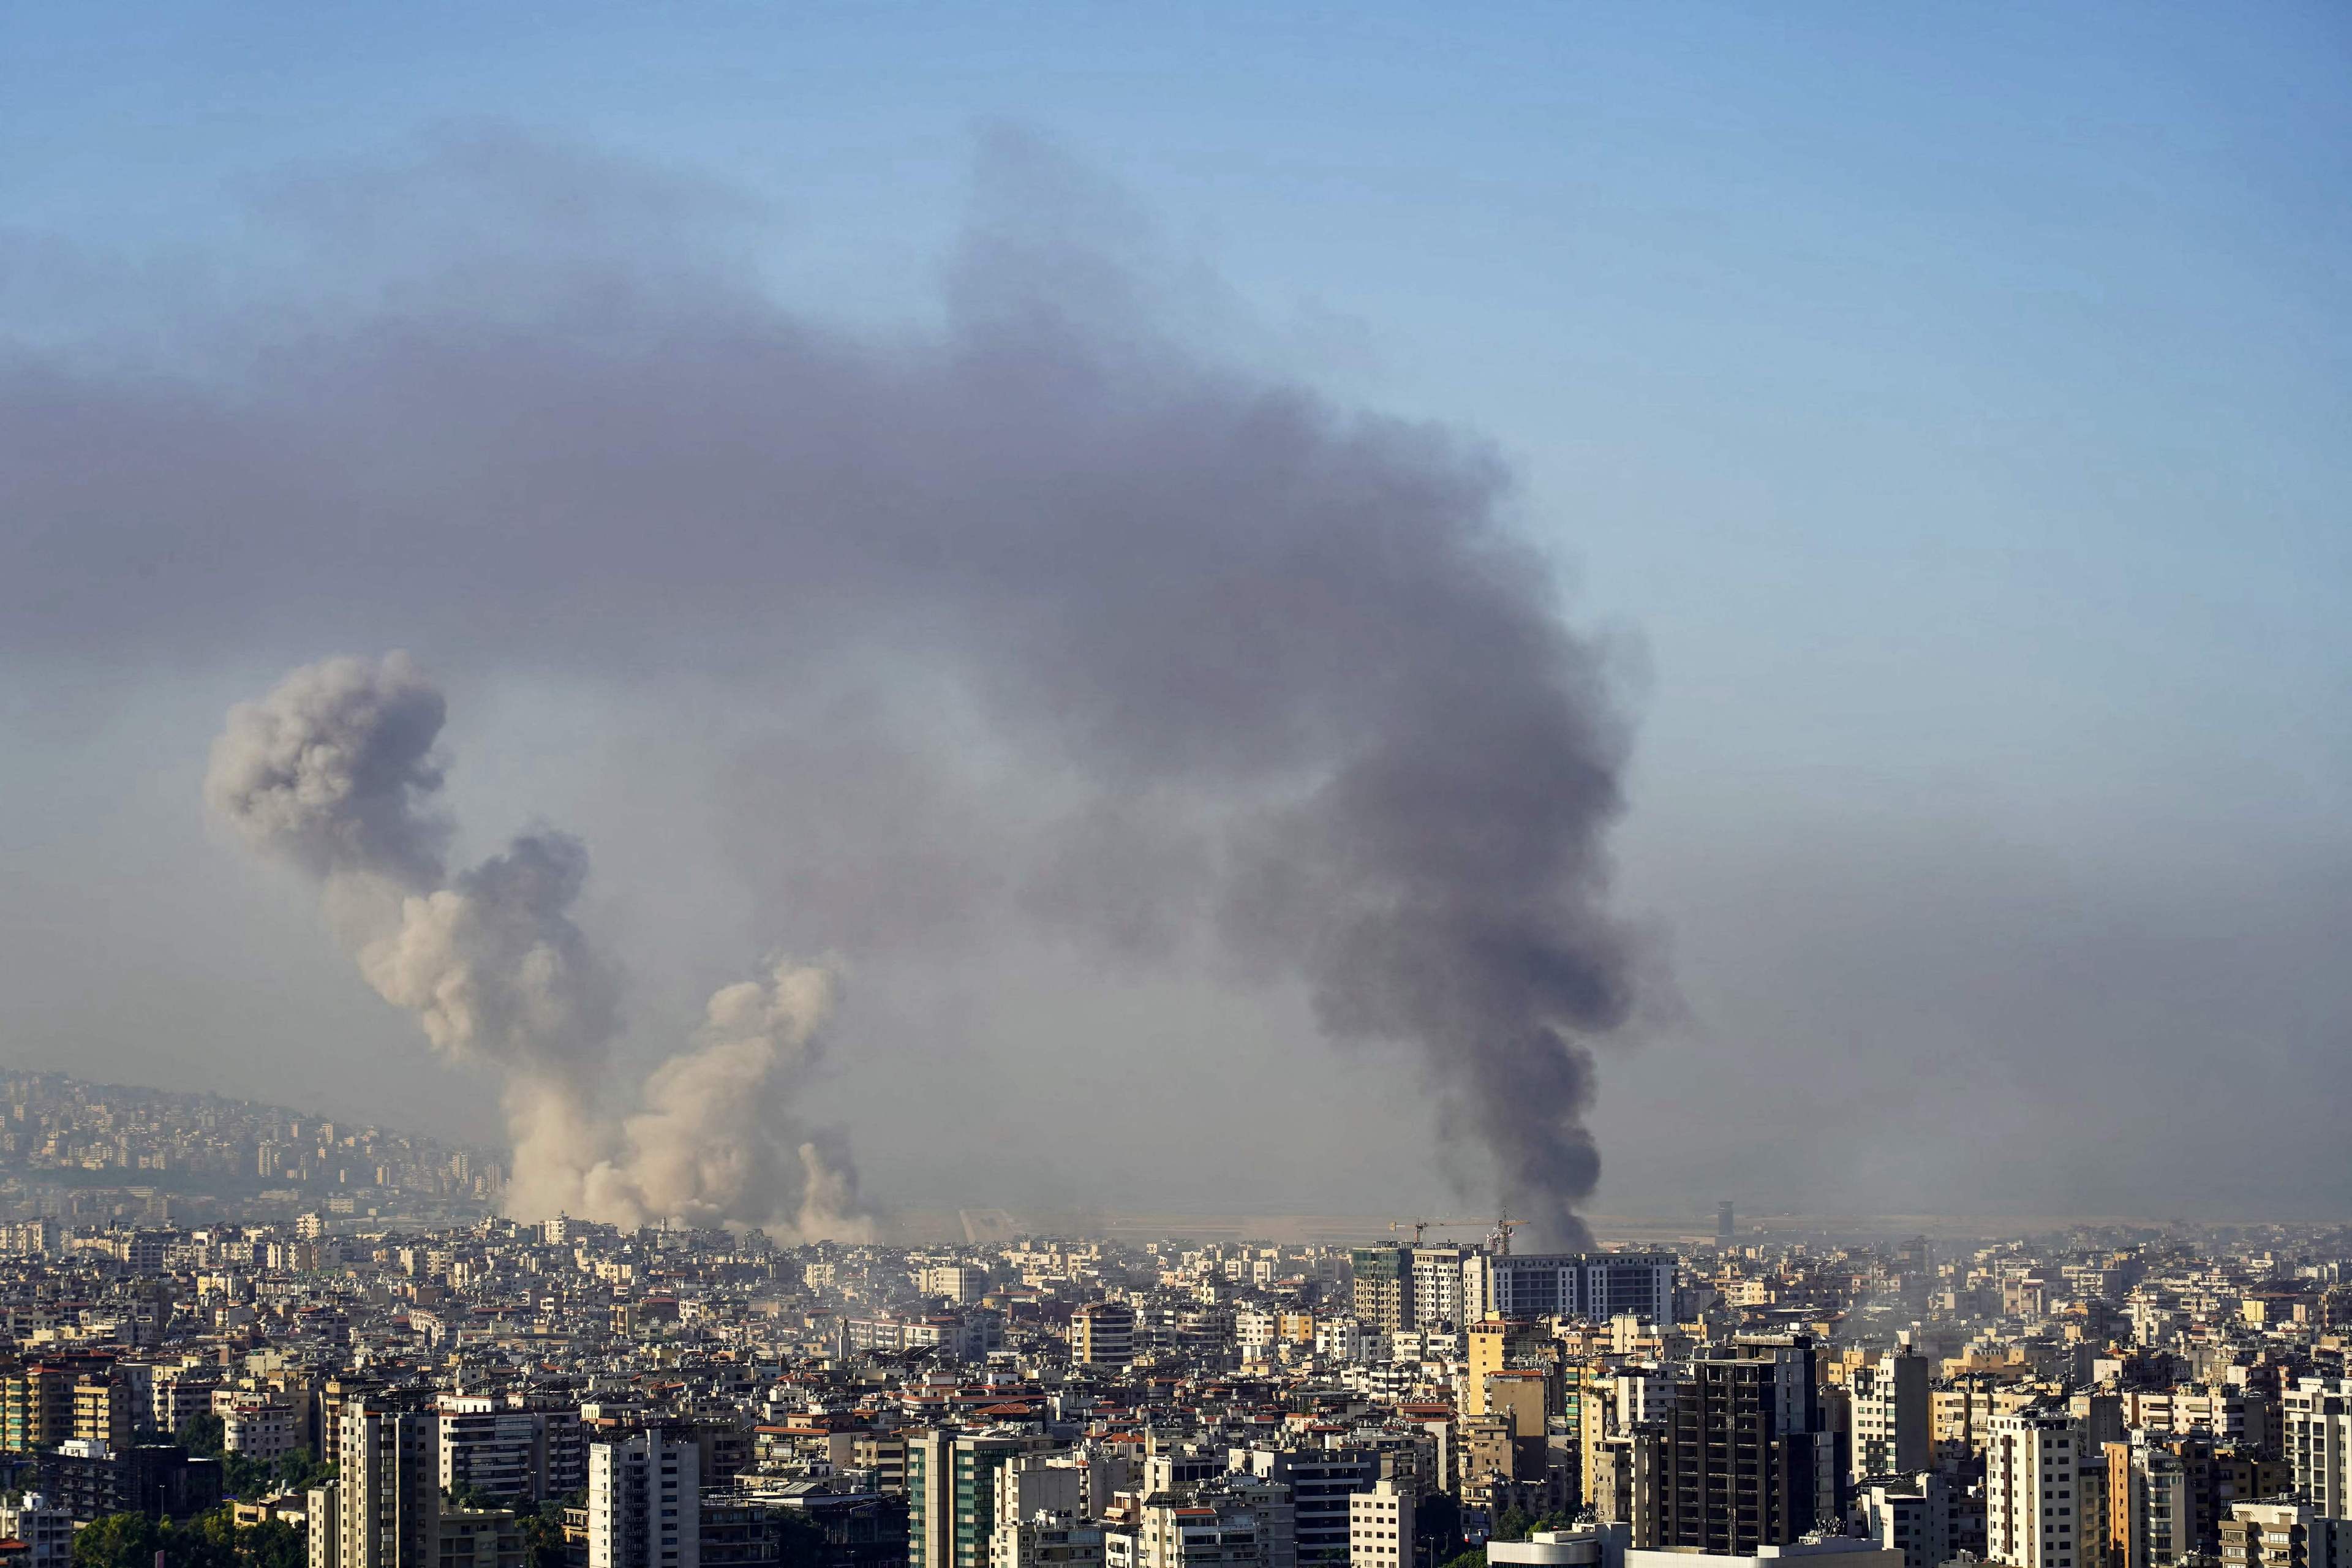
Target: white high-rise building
x=1437 y=1284
x=2032 y=1513
x=322 y=1517
x=2317 y=1417
x=1912 y=1515
x=387 y=1512
x=1891 y=1417
x=494 y=1445
x=645 y=1495
x=1380 y=1527
x=1340 y=1338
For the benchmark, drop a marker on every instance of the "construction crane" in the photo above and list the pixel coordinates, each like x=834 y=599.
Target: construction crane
x=1498 y=1236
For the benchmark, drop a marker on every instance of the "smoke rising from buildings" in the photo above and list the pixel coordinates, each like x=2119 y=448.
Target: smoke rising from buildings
x=715 y=1132
x=1277 y=685
x=333 y=771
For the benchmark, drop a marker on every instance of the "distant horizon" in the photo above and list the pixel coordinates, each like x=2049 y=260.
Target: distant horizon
x=922 y=1215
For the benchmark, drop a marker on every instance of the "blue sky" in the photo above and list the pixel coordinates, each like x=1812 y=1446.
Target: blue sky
x=1946 y=405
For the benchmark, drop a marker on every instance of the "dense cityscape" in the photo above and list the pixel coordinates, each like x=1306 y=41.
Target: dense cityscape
x=334 y=1388
x=1219 y=785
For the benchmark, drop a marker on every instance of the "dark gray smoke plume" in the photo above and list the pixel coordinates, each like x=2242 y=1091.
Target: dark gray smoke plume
x=1243 y=664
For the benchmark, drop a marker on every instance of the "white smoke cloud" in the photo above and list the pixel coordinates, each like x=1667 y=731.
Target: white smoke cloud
x=715 y=1141
x=331 y=772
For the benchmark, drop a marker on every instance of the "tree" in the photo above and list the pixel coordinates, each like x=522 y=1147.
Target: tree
x=542 y=1537
x=273 y=1543
x=208 y=1540
x=116 y=1541
x=204 y=1436
x=1476 y=1558
x=297 y=1471
x=243 y=1476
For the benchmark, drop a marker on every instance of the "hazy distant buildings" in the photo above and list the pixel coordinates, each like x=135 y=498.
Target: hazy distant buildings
x=957 y=1283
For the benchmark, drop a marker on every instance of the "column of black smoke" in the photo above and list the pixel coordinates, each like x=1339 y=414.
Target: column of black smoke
x=334 y=770
x=1288 y=673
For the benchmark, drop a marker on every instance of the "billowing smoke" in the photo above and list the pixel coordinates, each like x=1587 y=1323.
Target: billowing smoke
x=332 y=772
x=1265 y=685
x=716 y=1140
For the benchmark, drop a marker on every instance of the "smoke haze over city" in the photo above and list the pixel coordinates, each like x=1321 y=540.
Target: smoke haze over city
x=949 y=659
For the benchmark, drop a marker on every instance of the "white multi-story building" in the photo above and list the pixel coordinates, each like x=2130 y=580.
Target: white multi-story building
x=493 y=1444
x=1046 y=1539
x=2318 y=1419
x=1380 y=1527
x=322 y=1518
x=259 y=1427
x=957 y=1282
x=1596 y=1285
x=643 y=1503
x=2283 y=1535
x=1437 y=1283
x=47 y=1532
x=1891 y=1417
x=1640 y=1395
x=387 y=1505
x=2033 y=1513
x=1037 y=1483
x=2158 y=1507
x=1234 y=1525
x=1912 y=1516
x=1340 y=1338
